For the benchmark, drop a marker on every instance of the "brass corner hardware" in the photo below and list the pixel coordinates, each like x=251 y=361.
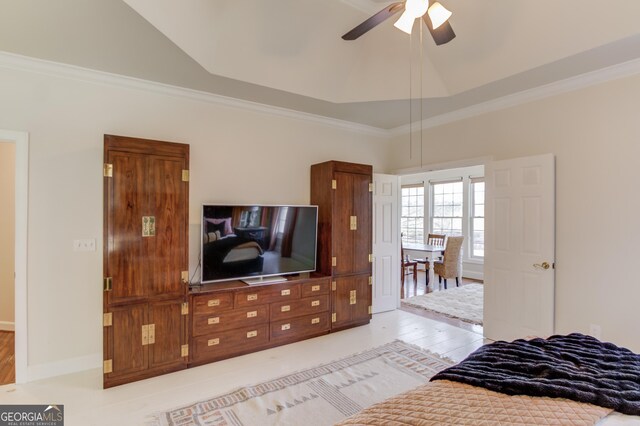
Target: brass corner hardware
x=184 y=309
x=184 y=350
x=370 y=310
x=185 y=175
x=145 y=335
x=148 y=226
x=352 y=297
x=107 y=170
x=370 y=280
x=107 y=319
x=370 y=258
x=371 y=187
x=333 y=317
x=107 y=366
x=334 y=184
x=152 y=334
x=333 y=285
x=353 y=223
x=334 y=261
x=184 y=275
x=107 y=283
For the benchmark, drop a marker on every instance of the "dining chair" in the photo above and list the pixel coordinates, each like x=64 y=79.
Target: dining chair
x=408 y=264
x=433 y=239
x=448 y=267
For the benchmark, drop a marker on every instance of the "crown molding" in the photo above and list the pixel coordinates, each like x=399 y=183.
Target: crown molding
x=73 y=72
x=614 y=72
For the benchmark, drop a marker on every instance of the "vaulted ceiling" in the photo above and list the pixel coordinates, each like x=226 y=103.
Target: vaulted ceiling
x=289 y=53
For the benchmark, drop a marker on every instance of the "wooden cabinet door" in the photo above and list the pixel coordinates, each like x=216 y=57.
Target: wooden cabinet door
x=169 y=333
x=351 y=300
x=362 y=210
x=124 y=344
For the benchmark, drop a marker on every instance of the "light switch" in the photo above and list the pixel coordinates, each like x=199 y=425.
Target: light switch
x=88 y=244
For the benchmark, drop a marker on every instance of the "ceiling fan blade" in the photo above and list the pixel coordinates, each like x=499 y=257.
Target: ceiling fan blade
x=376 y=19
x=441 y=35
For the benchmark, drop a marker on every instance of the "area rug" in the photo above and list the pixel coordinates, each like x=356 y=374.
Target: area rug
x=463 y=303
x=317 y=396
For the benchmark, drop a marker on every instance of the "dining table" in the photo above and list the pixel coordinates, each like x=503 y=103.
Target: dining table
x=431 y=252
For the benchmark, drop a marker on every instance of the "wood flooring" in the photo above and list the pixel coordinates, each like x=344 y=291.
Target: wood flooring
x=7 y=358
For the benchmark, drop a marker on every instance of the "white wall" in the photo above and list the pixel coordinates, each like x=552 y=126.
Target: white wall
x=7 y=234
x=471 y=267
x=595 y=136
x=237 y=156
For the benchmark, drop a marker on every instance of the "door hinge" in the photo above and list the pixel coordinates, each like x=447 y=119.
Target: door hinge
x=370 y=258
x=185 y=308
x=185 y=276
x=107 y=366
x=370 y=280
x=334 y=261
x=334 y=184
x=145 y=335
x=107 y=284
x=370 y=310
x=333 y=286
x=184 y=350
x=333 y=317
x=107 y=319
x=371 y=187
x=185 y=175
x=107 y=170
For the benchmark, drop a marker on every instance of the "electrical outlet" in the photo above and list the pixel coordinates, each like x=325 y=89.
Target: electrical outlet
x=595 y=330
x=88 y=244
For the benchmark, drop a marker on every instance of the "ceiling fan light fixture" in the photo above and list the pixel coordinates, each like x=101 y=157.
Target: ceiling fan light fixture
x=406 y=21
x=416 y=8
x=438 y=14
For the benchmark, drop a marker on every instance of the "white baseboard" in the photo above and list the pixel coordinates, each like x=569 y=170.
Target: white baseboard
x=7 y=326
x=473 y=275
x=65 y=366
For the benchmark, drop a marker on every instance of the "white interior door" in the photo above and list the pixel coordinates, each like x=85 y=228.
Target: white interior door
x=520 y=248
x=386 y=243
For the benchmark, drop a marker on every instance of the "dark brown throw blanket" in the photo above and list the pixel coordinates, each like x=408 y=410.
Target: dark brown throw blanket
x=576 y=367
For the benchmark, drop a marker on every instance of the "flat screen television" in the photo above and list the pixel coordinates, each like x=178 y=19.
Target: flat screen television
x=257 y=243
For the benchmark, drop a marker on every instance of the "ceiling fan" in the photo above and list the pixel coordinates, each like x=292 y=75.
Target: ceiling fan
x=435 y=16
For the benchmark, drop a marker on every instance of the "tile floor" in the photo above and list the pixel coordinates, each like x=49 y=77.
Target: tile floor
x=85 y=403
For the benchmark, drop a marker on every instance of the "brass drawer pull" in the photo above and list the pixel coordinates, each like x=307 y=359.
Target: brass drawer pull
x=315 y=321
x=213 y=302
x=252 y=314
x=285 y=327
x=286 y=292
x=315 y=288
x=285 y=308
x=251 y=334
x=214 y=320
x=213 y=342
x=252 y=297
x=315 y=303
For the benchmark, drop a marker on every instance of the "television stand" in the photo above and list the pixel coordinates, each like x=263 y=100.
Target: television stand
x=265 y=280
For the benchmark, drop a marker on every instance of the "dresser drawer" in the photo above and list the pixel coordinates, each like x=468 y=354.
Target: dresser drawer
x=313 y=288
x=294 y=328
x=267 y=294
x=225 y=343
x=296 y=308
x=228 y=320
x=212 y=303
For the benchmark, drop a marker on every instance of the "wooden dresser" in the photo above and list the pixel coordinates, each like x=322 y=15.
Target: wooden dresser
x=232 y=318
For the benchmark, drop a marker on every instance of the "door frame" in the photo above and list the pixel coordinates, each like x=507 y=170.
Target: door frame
x=21 y=141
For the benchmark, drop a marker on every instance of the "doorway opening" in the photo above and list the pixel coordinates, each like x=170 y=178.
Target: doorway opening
x=442 y=226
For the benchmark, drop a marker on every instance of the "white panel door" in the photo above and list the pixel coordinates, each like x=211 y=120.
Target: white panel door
x=386 y=243
x=519 y=278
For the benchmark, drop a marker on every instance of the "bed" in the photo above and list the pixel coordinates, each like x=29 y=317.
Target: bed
x=563 y=380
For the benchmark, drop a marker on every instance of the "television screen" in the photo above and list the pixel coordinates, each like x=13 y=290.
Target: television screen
x=257 y=241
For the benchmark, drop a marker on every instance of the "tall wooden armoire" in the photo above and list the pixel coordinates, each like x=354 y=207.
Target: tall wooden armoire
x=343 y=193
x=146 y=203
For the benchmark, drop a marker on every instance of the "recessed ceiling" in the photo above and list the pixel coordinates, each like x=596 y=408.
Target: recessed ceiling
x=295 y=45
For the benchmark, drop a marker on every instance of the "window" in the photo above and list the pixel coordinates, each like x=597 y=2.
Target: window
x=447 y=208
x=477 y=217
x=412 y=219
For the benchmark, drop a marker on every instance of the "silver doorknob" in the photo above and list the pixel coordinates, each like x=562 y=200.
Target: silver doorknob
x=543 y=265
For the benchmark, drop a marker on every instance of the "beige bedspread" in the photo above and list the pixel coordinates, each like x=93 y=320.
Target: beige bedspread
x=449 y=403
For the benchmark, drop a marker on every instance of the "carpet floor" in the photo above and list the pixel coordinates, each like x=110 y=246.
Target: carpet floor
x=464 y=303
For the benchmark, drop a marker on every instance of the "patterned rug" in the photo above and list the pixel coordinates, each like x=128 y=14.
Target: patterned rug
x=321 y=395
x=464 y=303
